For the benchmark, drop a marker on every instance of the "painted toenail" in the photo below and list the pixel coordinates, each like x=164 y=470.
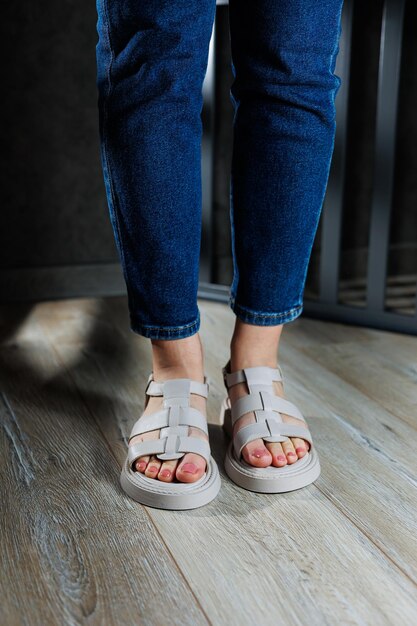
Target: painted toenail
x=142 y=465
x=291 y=453
x=166 y=473
x=299 y=450
x=153 y=468
x=259 y=453
x=281 y=457
x=189 y=468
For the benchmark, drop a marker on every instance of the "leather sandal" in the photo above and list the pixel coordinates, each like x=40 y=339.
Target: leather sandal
x=173 y=420
x=269 y=426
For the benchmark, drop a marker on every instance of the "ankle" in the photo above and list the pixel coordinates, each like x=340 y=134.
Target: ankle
x=240 y=360
x=254 y=346
x=180 y=370
x=178 y=358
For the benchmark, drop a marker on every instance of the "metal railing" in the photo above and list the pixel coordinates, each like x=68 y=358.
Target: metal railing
x=373 y=310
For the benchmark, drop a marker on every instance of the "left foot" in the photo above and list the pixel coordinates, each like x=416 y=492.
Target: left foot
x=260 y=453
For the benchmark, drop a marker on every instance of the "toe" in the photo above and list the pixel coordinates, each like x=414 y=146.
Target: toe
x=191 y=468
x=278 y=456
x=299 y=446
x=255 y=453
x=289 y=451
x=142 y=463
x=153 y=467
x=167 y=471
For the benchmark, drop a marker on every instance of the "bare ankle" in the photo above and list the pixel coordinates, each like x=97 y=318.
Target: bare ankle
x=178 y=358
x=182 y=370
x=253 y=345
x=238 y=362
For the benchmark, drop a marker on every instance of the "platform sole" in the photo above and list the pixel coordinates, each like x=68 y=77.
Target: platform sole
x=174 y=496
x=267 y=479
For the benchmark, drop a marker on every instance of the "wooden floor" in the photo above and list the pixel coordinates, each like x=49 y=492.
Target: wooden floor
x=76 y=550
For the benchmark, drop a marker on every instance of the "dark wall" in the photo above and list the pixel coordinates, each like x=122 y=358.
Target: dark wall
x=53 y=206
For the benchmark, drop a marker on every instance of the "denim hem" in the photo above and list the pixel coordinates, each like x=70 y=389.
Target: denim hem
x=264 y=319
x=166 y=332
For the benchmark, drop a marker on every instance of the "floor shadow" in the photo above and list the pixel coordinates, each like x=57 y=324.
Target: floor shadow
x=62 y=389
x=74 y=386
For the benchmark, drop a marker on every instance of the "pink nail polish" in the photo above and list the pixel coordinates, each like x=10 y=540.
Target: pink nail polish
x=299 y=450
x=153 y=468
x=189 y=468
x=281 y=458
x=259 y=453
x=291 y=453
x=166 y=473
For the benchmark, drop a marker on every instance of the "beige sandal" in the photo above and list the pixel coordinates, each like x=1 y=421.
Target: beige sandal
x=268 y=426
x=174 y=442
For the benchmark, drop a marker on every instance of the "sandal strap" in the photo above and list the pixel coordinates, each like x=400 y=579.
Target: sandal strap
x=170 y=418
x=267 y=407
x=271 y=430
x=264 y=402
x=169 y=448
x=177 y=387
x=259 y=375
x=173 y=421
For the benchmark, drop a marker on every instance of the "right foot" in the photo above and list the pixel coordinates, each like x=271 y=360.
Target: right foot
x=191 y=466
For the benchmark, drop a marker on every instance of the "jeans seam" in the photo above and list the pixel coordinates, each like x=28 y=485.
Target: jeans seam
x=254 y=314
x=168 y=328
x=166 y=332
x=105 y=150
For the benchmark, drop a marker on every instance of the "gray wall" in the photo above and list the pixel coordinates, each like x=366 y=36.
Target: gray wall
x=53 y=204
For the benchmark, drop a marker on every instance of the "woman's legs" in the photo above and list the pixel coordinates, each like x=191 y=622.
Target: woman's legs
x=284 y=87
x=253 y=345
x=180 y=358
x=283 y=53
x=151 y=62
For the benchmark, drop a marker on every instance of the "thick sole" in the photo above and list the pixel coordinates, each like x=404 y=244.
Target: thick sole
x=173 y=496
x=267 y=479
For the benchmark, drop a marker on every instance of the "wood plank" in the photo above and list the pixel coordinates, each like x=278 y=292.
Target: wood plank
x=373 y=375
x=74 y=548
x=368 y=465
x=400 y=351
x=330 y=396
x=261 y=566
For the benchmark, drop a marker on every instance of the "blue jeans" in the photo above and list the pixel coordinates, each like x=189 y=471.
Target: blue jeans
x=151 y=62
